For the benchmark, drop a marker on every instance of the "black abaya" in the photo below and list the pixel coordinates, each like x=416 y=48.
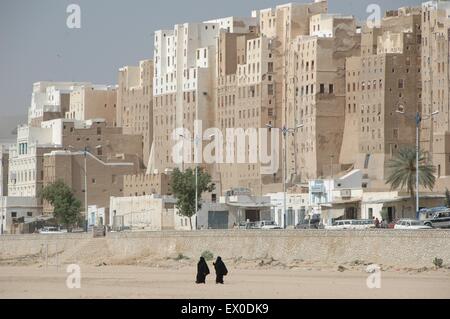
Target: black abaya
x=221 y=270
x=202 y=271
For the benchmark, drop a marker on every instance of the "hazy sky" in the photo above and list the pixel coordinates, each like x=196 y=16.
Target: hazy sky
x=36 y=45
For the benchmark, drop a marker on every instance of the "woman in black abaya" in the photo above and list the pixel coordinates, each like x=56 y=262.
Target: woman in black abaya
x=202 y=271
x=221 y=270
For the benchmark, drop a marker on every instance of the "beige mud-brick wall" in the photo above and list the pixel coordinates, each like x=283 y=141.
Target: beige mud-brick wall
x=135 y=103
x=395 y=248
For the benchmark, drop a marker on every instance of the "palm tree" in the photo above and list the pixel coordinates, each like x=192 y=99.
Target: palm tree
x=403 y=172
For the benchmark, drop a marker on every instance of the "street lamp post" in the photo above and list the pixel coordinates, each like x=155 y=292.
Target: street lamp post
x=418 y=118
x=85 y=152
x=285 y=130
x=331 y=166
x=85 y=189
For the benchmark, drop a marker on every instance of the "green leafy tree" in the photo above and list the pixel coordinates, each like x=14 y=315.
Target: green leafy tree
x=402 y=172
x=66 y=206
x=183 y=188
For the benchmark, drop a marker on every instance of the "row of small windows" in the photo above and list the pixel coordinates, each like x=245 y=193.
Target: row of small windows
x=374 y=109
x=169 y=99
x=309 y=89
x=271 y=23
x=23 y=176
x=255 y=43
x=355 y=86
x=159 y=120
x=186 y=75
x=377 y=133
x=305 y=66
x=249 y=113
x=137 y=107
x=227 y=100
x=227 y=122
x=14 y=214
x=213 y=27
x=145 y=91
x=164 y=100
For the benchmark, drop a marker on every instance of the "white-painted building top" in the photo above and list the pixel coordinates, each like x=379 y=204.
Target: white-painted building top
x=46 y=97
x=235 y=24
x=176 y=55
x=323 y=25
x=435 y=5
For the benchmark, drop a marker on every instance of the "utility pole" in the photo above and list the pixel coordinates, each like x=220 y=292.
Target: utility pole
x=418 y=120
x=285 y=177
x=285 y=130
x=331 y=165
x=85 y=153
x=85 y=189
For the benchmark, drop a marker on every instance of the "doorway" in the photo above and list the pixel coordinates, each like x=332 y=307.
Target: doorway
x=391 y=214
x=252 y=215
x=218 y=220
x=351 y=213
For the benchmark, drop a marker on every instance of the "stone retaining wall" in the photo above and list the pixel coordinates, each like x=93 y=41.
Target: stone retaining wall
x=387 y=247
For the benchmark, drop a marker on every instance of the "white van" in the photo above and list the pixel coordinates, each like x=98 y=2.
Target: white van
x=357 y=224
x=439 y=220
x=362 y=224
x=340 y=224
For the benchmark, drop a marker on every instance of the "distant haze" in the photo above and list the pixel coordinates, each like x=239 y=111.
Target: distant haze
x=35 y=43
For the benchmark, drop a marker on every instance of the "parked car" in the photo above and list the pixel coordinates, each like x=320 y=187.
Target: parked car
x=267 y=224
x=357 y=224
x=313 y=223
x=439 y=220
x=78 y=230
x=410 y=224
x=362 y=224
x=247 y=225
x=52 y=230
x=340 y=225
x=252 y=225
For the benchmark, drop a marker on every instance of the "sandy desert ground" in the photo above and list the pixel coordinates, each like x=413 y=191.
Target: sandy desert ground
x=169 y=282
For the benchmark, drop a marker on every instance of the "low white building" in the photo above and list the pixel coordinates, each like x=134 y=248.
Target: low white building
x=297 y=208
x=394 y=205
x=335 y=198
x=236 y=207
x=15 y=211
x=96 y=216
x=244 y=207
x=152 y=213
